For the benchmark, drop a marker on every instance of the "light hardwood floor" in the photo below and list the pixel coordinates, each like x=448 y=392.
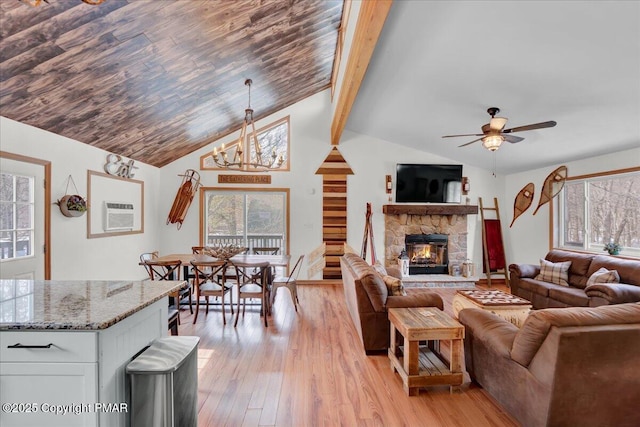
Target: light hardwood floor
x=309 y=369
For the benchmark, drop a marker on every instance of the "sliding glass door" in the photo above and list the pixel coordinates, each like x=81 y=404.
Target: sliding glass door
x=247 y=217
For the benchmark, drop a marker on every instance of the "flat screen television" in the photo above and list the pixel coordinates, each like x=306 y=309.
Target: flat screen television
x=426 y=183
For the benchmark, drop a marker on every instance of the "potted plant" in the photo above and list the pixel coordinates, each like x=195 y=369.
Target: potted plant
x=72 y=205
x=612 y=248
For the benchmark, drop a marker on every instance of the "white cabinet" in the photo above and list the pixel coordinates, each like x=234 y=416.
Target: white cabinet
x=73 y=370
x=40 y=393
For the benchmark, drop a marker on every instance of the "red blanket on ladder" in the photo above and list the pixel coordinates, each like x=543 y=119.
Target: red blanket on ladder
x=494 y=245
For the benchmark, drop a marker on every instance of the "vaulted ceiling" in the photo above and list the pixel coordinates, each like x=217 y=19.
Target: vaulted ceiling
x=156 y=80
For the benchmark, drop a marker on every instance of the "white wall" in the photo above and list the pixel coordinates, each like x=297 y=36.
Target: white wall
x=529 y=237
x=73 y=256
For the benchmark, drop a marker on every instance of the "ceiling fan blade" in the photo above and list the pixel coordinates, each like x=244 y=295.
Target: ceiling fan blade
x=468 y=143
x=497 y=123
x=512 y=138
x=470 y=134
x=542 y=125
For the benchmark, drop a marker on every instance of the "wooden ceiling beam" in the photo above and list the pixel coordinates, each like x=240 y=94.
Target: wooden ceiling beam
x=368 y=28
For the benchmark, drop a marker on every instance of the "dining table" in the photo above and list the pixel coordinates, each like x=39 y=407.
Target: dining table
x=186 y=258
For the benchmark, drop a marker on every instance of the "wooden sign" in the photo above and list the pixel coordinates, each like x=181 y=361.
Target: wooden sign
x=244 y=179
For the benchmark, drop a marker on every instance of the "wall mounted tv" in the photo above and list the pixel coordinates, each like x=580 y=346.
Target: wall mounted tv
x=428 y=183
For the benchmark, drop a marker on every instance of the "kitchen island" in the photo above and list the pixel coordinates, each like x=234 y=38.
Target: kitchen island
x=64 y=346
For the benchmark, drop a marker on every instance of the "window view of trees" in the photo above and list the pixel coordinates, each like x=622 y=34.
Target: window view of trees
x=251 y=219
x=274 y=139
x=16 y=216
x=600 y=210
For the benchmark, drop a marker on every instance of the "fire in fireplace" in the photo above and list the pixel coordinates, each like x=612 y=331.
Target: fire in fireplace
x=427 y=253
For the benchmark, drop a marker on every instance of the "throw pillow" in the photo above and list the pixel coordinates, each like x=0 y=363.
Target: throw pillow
x=394 y=285
x=604 y=276
x=557 y=272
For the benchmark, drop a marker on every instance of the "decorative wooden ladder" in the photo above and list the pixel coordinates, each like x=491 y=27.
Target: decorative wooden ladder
x=495 y=261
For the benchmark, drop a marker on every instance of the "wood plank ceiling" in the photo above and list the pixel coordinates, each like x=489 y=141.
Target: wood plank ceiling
x=156 y=80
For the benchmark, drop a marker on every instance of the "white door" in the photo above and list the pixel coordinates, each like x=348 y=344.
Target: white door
x=21 y=220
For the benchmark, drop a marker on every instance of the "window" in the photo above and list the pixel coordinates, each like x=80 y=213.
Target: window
x=250 y=218
x=598 y=209
x=273 y=138
x=17 y=226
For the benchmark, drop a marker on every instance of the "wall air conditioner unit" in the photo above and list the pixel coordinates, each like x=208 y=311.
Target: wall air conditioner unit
x=118 y=216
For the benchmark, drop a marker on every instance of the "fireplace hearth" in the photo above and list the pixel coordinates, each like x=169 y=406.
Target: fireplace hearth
x=428 y=253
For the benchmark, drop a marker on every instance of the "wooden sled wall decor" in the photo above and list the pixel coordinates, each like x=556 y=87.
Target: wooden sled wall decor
x=522 y=201
x=552 y=186
x=188 y=188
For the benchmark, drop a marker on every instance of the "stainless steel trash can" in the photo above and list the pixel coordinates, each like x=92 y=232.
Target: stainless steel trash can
x=164 y=383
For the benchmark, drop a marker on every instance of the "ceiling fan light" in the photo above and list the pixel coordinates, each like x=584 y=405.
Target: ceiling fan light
x=493 y=142
x=497 y=123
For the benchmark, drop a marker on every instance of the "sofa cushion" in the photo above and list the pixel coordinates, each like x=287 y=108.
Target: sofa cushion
x=580 y=264
x=376 y=289
x=568 y=295
x=535 y=329
x=535 y=286
x=628 y=269
x=603 y=276
x=394 y=285
x=359 y=266
x=554 y=272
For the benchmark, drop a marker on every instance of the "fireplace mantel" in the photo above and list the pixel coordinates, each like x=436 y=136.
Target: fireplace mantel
x=430 y=209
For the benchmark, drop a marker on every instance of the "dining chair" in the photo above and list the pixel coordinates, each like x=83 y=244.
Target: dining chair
x=147 y=256
x=289 y=282
x=169 y=270
x=266 y=250
x=210 y=281
x=173 y=320
x=252 y=283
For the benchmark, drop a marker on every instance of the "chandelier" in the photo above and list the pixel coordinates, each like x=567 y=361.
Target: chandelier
x=221 y=157
x=35 y=3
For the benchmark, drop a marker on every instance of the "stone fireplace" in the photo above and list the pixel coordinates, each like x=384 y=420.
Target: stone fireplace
x=444 y=221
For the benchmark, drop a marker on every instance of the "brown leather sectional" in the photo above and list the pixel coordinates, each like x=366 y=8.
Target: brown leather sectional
x=545 y=294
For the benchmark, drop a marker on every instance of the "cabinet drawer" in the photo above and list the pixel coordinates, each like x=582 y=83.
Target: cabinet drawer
x=65 y=346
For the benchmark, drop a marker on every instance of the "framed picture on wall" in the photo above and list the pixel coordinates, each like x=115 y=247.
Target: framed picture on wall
x=116 y=205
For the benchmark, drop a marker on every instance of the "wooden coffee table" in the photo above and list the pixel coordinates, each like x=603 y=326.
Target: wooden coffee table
x=419 y=361
x=509 y=307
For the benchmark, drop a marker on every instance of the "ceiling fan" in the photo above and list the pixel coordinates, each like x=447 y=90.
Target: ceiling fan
x=494 y=134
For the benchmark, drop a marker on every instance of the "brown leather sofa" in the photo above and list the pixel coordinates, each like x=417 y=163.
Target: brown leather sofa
x=545 y=294
x=368 y=299
x=574 y=366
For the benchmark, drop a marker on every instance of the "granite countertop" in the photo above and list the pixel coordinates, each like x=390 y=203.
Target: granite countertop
x=75 y=304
